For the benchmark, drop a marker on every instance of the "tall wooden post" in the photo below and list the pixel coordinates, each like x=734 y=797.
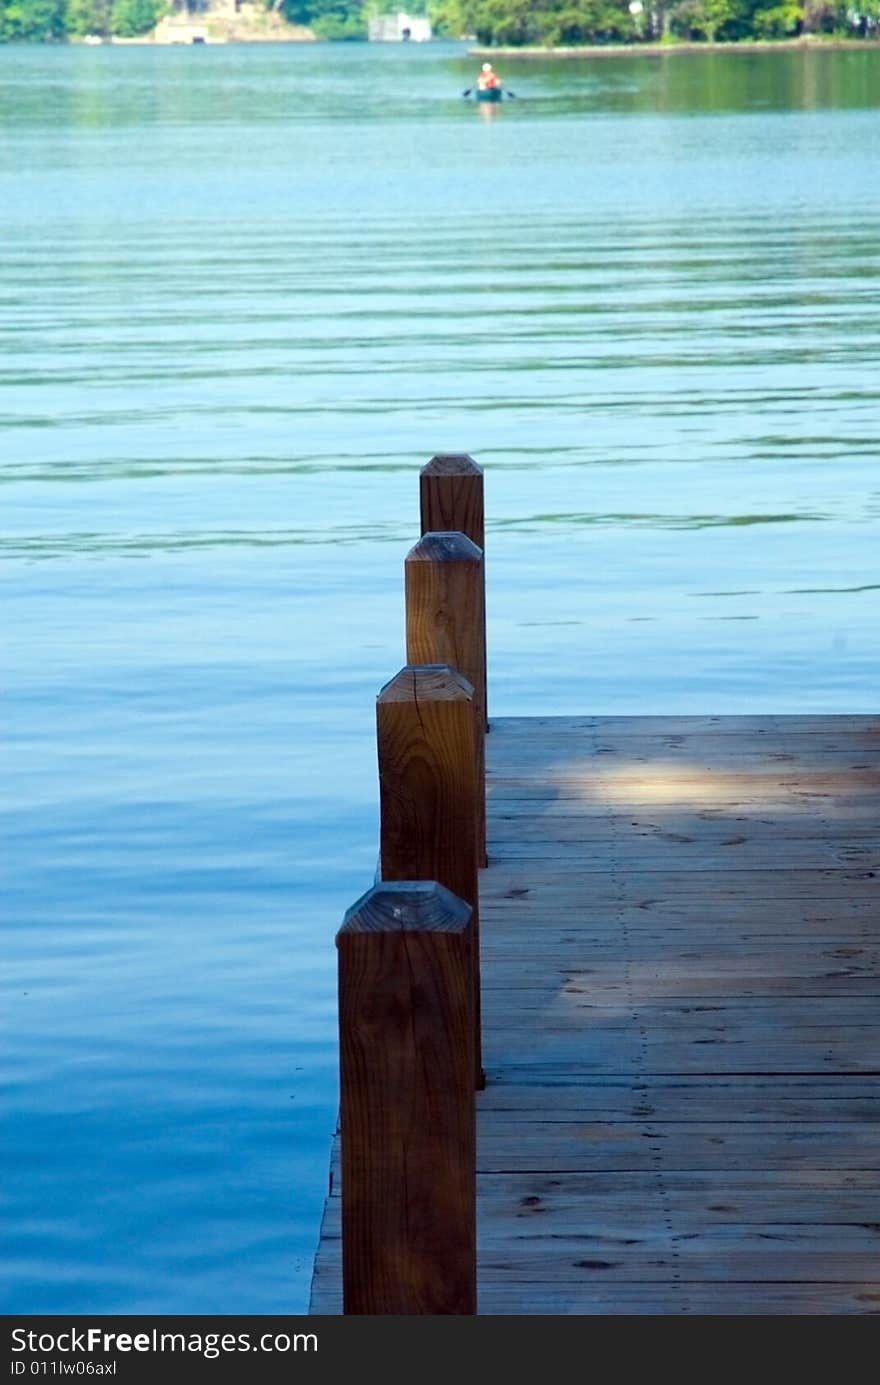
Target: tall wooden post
x=428 y=794
x=445 y=624
x=407 y=1103
x=451 y=496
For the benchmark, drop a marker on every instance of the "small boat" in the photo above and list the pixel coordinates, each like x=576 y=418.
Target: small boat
x=488 y=94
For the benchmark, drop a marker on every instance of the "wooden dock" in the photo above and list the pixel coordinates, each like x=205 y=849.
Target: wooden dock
x=669 y=972
x=680 y=934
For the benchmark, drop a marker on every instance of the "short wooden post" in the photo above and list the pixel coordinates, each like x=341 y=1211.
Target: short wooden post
x=407 y=1103
x=428 y=793
x=452 y=499
x=445 y=625
x=451 y=495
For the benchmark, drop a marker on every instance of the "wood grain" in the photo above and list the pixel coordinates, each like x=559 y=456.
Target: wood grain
x=428 y=793
x=681 y=1003
x=451 y=499
x=445 y=624
x=407 y=1104
x=451 y=496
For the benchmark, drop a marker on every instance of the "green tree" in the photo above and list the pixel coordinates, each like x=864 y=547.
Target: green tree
x=38 y=21
x=605 y=21
x=779 y=21
x=337 y=19
x=828 y=16
x=87 y=17
x=449 y=17
x=549 y=23
x=716 y=21
x=128 y=18
x=514 y=22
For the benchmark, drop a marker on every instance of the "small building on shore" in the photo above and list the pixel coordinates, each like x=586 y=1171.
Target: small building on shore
x=398 y=28
x=225 y=21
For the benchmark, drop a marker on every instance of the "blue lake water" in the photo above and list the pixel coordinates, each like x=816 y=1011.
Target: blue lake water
x=245 y=293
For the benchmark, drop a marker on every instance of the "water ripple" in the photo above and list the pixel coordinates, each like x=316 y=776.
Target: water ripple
x=237 y=313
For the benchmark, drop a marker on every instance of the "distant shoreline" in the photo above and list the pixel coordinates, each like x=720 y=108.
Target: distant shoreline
x=664 y=50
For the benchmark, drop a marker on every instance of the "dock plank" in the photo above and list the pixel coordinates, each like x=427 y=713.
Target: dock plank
x=681 y=977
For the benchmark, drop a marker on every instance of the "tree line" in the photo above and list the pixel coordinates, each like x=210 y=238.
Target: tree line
x=568 y=23
x=47 y=21
x=514 y=23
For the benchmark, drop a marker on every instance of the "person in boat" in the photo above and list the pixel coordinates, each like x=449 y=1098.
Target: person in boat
x=488 y=78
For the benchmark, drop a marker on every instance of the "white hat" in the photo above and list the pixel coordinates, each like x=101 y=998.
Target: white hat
x=487 y=67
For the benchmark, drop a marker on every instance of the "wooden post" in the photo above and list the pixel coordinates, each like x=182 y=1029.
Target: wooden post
x=428 y=793
x=451 y=495
x=407 y=1103
x=452 y=499
x=445 y=625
